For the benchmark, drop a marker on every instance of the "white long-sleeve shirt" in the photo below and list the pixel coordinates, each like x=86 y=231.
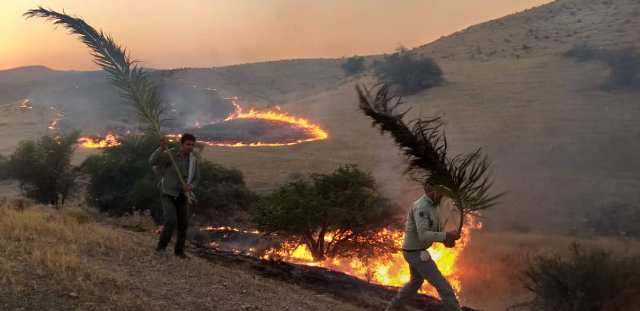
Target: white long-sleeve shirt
x=423 y=226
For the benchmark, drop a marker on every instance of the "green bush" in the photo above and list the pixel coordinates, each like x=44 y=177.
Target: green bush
x=344 y=205
x=4 y=168
x=122 y=182
x=407 y=73
x=43 y=168
x=586 y=280
x=624 y=64
x=354 y=65
x=583 y=52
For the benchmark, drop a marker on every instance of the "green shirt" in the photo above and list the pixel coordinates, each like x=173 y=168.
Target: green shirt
x=170 y=183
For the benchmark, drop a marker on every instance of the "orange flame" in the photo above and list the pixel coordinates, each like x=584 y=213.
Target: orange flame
x=381 y=270
x=94 y=142
x=314 y=131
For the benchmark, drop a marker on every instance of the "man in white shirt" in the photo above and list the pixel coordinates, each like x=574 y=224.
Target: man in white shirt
x=423 y=227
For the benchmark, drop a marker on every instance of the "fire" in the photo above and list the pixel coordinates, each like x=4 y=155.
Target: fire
x=58 y=115
x=95 y=142
x=314 y=131
x=382 y=270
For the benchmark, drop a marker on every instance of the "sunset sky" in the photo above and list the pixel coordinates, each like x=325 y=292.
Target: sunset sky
x=205 y=33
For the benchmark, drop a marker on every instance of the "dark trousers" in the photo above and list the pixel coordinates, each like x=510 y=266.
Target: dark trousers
x=176 y=216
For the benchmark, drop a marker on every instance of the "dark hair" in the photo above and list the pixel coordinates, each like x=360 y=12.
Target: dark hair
x=187 y=137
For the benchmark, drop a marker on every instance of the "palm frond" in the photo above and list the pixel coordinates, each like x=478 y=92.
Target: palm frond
x=134 y=83
x=132 y=80
x=464 y=178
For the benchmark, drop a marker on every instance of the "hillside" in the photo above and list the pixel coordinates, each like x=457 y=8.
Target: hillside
x=561 y=146
x=547 y=30
x=70 y=260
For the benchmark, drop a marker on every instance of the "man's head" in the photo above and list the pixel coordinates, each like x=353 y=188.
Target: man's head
x=187 y=142
x=433 y=194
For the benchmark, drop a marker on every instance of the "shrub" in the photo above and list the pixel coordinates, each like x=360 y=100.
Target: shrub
x=4 y=168
x=344 y=205
x=624 y=64
x=223 y=190
x=354 y=65
x=583 y=52
x=588 y=280
x=122 y=182
x=407 y=73
x=43 y=168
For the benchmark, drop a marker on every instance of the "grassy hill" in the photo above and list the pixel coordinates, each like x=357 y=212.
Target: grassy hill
x=75 y=260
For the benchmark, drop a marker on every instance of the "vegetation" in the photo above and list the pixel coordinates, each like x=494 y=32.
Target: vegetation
x=354 y=65
x=332 y=214
x=4 y=168
x=589 y=280
x=624 y=64
x=122 y=182
x=43 y=168
x=407 y=73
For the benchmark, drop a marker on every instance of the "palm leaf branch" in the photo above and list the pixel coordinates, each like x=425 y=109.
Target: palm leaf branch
x=464 y=178
x=136 y=87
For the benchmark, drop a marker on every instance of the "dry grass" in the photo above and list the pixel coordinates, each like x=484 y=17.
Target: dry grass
x=60 y=260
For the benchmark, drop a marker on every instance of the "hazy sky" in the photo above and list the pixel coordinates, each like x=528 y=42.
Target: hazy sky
x=203 y=33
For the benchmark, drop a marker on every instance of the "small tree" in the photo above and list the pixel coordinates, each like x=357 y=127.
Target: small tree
x=354 y=65
x=43 y=167
x=337 y=213
x=407 y=73
x=589 y=280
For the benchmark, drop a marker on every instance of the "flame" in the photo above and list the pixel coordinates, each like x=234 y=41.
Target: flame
x=25 y=105
x=58 y=115
x=382 y=270
x=95 y=142
x=314 y=131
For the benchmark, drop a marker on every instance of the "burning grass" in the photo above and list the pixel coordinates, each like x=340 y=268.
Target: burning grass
x=385 y=269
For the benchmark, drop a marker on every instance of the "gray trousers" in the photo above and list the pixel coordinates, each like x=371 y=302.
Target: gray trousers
x=420 y=271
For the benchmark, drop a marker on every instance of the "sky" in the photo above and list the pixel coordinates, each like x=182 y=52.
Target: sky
x=206 y=33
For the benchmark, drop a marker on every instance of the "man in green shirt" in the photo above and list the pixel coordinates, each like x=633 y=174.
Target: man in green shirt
x=425 y=226
x=175 y=196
